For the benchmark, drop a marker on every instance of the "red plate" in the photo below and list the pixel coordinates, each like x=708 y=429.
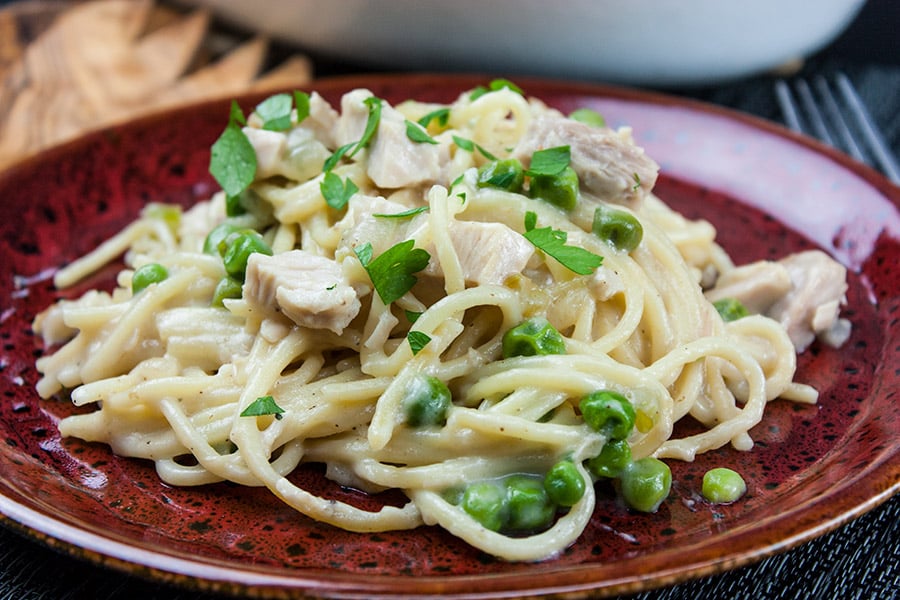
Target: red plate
x=767 y=191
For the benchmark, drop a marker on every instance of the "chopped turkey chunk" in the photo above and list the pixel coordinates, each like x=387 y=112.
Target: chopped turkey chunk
x=488 y=253
x=609 y=164
x=605 y=283
x=803 y=291
x=756 y=285
x=812 y=305
x=394 y=160
x=309 y=289
x=360 y=225
x=269 y=147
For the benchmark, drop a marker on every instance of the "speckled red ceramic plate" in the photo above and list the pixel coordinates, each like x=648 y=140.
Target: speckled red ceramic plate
x=768 y=192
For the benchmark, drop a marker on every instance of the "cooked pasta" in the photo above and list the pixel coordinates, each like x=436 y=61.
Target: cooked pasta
x=407 y=373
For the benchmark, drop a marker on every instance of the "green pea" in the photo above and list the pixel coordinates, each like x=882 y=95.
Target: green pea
x=426 y=401
x=618 y=228
x=507 y=174
x=722 y=485
x=609 y=413
x=645 y=483
x=532 y=337
x=730 y=309
x=239 y=251
x=588 y=117
x=564 y=484
x=612 y=460
x=486 y=503
x=530 y=508
x=147 y=274
x=214 y=239
x=227 y=288
x=560 y=190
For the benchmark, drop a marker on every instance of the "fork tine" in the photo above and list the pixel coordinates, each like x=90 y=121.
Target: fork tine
x=815 y=116
x=837 y=120
x=788 y=107
x=883 y=155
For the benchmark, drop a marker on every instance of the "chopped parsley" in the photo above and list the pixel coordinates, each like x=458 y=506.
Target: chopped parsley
x=275 y=112
x=550 y=161
x=470 y=146
x=417 y=340
x=392 y=272
x=588 y=117
x=301 y=100
x=264 y=405
x=406 y=214
x=350 y=150
x=337 y=191
x=493 y=86
x=233 y=160
x=418 y=135
x=441 y=115
x=637 y=182
x=553 y=243
x=412 y=316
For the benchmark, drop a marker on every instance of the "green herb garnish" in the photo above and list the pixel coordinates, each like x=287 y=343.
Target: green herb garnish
x=441 y=115
x=275 y=111
x=550 y=161
x=301 y=100
x=418 y=135
x=350 y=149
x=233 y=160
x=402 y=215
x=588 y=117
x=470 y=146
x=264 y=405
x=337 y=191
x=493 y=86
x=412 y=316
x=553 y=243
x=372 y=121
x=417 y=340
x=392 y=272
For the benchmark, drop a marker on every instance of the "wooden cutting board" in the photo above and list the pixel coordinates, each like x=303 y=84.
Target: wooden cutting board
x=71 y=67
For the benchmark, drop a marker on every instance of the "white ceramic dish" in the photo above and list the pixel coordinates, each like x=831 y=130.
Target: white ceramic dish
x=643 y=42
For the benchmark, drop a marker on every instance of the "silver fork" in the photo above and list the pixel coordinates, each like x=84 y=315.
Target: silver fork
x=839 y=119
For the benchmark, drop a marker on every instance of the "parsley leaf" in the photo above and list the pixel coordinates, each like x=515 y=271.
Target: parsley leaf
x=550 y=161
x=372 y=121
x=364 y=254
x=417 y=340
x=553 y=243
x=412 y=316
x=471 y=146
x=301 y=100
x=337 y=191
x=275 y=111
x=588 y=117
x=264 y=405
x=493 y=86
x=418 y=135
x=352 y=148
x=402 y=215
x=235 y=114
x=499 y=84
x=441 y=115
x=232 y=161
x=335 y=158
x=392 y=272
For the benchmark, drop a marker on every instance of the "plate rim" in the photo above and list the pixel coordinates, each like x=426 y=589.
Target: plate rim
x=52 y=531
